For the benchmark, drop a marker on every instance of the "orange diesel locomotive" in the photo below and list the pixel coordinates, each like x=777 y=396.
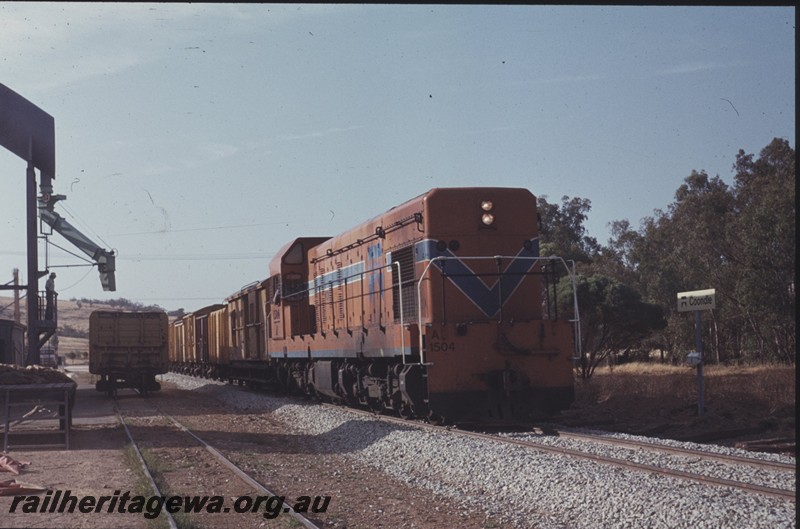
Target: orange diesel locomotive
x=438 y=308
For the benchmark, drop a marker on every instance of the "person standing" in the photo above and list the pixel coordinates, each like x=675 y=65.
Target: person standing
x=50 y=295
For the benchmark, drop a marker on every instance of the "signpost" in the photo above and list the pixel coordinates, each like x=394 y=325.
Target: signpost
x=697 y=301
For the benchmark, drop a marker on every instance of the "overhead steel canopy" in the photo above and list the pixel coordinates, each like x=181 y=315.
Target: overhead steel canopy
x=27 y=131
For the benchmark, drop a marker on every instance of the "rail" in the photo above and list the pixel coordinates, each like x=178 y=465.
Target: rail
x=648 y=445
x=297 y=517
x=749 y=487
x=153 y=485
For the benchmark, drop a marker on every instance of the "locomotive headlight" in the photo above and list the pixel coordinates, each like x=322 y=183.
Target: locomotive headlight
x=487 y=205
x=487 y=219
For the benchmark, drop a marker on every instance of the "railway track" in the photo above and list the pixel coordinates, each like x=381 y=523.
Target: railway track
x=151 y=480
x=621 y=461
x=182 y=430
x=498 y=483
x=646 y=445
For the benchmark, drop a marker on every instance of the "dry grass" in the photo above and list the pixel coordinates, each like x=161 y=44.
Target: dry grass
x=773 y=387
x=643 y=397
x=69 y=315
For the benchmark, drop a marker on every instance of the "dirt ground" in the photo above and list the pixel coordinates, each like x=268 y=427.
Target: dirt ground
x=94 y=466
x=287 y=462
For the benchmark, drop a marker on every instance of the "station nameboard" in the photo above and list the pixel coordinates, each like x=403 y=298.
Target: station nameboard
x=696 y=300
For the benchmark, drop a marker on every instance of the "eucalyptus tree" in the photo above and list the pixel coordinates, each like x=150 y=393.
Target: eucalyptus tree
x=763 y=238
x=739 y=240
x=614 y=319
x=562 y=232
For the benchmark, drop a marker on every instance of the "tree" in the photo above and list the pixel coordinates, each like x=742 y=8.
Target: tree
x=697 y=231
x=619 y=260
x=763 y=236
x=739 y=240
x=562 y=232
x=179 y=313
x=613 y=318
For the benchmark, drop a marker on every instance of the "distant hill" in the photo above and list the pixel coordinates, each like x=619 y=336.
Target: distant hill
x=73 y=319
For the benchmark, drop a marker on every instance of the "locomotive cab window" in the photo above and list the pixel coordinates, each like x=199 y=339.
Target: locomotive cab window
x=295 y=255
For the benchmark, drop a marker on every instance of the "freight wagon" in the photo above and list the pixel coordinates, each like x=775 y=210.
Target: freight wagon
x=128 y=349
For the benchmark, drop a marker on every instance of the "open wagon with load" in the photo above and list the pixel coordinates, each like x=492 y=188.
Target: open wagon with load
x=128 y=349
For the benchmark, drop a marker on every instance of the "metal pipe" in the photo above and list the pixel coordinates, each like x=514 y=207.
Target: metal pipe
x=443 y=275
x=419 y=306
x=402 y=316
x=577 y=319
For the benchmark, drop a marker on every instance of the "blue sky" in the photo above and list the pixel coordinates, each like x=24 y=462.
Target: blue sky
x=196 y=139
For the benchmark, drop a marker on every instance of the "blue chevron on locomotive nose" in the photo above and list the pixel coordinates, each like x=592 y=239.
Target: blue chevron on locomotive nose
x=485 y=297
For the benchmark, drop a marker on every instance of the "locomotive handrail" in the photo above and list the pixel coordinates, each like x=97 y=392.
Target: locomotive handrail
x=402 y=321
x=571 y=272
x=577 y=320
